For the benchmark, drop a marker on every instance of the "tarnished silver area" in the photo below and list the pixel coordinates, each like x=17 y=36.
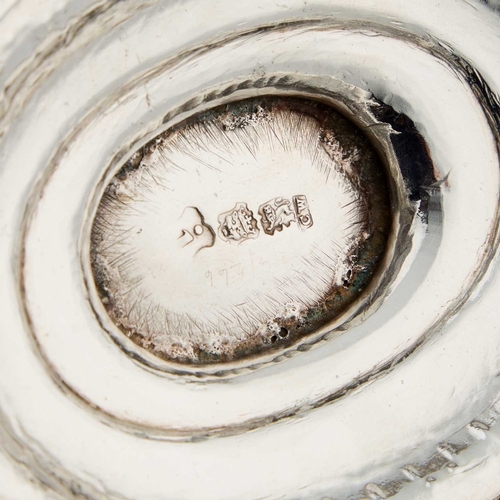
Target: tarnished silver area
x=250 y=285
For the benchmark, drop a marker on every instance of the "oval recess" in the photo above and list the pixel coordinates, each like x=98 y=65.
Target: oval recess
x=262 y=216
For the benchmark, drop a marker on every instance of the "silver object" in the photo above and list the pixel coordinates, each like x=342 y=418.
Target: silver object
x=399 y=403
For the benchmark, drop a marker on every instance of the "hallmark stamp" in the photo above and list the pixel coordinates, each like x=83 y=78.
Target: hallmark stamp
x=304 y=217
x=276 y=214
x=239 y=224
x=195 y=233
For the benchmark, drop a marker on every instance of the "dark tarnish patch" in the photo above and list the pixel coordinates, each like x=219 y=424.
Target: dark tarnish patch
x=411 y=150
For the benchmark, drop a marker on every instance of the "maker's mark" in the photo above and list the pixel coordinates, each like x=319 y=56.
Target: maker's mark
x=304 y=217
